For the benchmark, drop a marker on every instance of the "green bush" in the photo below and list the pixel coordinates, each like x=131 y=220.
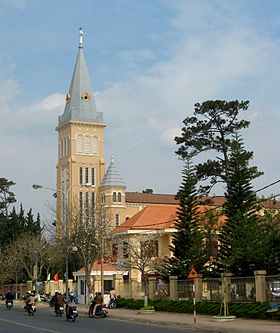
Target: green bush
x=245 y=310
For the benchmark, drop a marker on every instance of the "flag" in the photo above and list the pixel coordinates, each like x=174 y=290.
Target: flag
x=56 y=277
x=49 y=277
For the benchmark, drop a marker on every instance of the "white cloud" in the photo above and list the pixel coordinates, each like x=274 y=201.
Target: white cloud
x=215 y=52
x=52 y=102
x=168 y=135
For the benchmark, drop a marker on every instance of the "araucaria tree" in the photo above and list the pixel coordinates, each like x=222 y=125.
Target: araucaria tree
x=240 y=238
x=210 y=130
x=188 y=246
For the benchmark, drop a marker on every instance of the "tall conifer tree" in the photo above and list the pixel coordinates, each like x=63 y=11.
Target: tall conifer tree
x=240 y=242
x=188 y=247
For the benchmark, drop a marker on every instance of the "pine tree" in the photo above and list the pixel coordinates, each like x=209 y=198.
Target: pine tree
x=210 y=129
x=187 y=246
x=240 y=242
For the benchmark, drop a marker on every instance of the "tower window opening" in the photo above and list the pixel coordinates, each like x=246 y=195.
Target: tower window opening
x=86 y=176
x=81 y=201
x=81 y=176
x=119 y=197
x=117 y=220
x=114 y=197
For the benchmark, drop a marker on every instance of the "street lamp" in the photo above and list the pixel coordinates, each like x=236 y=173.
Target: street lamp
x=65 y=195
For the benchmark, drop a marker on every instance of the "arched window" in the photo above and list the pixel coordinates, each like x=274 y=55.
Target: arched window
x=87 y=144
x=79 y=144
x=119 y=197
x=114 y=196
x=94 y=146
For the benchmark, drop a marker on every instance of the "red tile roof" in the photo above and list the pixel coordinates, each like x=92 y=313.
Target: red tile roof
x=169 y=199
x=97 y=267
x=151 y=218
x=157 y=217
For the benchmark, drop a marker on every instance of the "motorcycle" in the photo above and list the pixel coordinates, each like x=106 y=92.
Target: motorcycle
x=97 y=311
x=71 y=313
x=31 y=309
x=9 y=304
x=112 y=303
x=59 y=310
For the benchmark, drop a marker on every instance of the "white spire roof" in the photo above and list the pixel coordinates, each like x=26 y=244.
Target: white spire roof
x=80 y=103
x=112 y=176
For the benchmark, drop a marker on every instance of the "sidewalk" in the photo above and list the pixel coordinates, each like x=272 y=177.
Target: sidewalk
x=186 y=320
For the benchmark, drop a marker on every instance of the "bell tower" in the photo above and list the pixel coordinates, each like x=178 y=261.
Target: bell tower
x=80 y=166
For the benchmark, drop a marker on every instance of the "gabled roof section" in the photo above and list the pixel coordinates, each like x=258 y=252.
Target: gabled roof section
x=97 y=267
x=80 y=103
x=151 y=218
x=170 y=199
x=112 y=177
x=148 y=198
x=157 y=217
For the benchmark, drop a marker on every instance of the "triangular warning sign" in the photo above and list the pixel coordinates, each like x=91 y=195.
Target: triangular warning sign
x=193 y=274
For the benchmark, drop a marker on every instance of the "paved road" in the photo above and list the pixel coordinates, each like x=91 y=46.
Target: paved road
x=45 y=321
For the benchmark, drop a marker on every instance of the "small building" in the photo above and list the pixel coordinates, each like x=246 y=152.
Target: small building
x=109 y=271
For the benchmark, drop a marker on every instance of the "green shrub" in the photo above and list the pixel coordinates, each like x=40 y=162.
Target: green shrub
x=245 y=310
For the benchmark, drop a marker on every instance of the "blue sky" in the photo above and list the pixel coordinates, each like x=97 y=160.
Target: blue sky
x=149 y=62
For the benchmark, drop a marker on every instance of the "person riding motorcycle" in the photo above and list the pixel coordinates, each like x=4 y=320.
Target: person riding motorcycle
x=57 y=301
x=97 y=300
x=9 y=298
x=70 y=305
x=29 y=299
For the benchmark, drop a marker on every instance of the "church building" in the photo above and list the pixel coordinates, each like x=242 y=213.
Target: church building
x=82 y=177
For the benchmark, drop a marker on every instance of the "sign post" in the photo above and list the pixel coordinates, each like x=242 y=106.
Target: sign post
x=192 y=275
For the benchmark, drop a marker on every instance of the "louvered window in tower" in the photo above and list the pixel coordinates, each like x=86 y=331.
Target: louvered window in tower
x=92 y=177
x=86 y=200
x=79 y=144
x=114 y=196
x=119 y=197
x=86 y=175
x=87 y=145
x=94 y=146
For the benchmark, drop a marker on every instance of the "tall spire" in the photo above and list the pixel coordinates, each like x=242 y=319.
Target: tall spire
x=80 y=104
